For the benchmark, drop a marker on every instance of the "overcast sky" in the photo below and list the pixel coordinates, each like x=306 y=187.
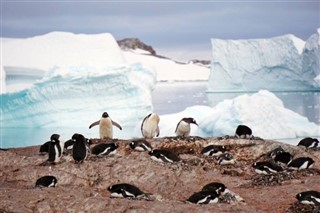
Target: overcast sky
x=178 y=29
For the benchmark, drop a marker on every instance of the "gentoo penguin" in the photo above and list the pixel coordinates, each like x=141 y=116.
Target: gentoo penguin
x=219 y=188
x=183 y=127
x=301 y=163
x=44 y=148
x=226 y=159
x=46 y=181
x=150 y=126
x=105 y=126
x=275 y=152
x=204 y=197
x=79 y=150
x=166 y=156
x=266 y=167
x=309 y=142
x=309 y=197
x=213 y=150
x=55 y=148
x=243 y=131
x=283 y=157
x=125 y=190
x=104 y=149
x=140 y=145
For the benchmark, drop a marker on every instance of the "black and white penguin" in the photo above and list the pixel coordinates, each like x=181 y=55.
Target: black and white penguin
x=183 y=127
x=104 y=149
x=301 y=163
x=140 y=145
x=44 y=148
x=213 y=150
x=105 y=126
x=226 y=159
x=79 y=150
x=166 y=156
x=150 y=126
x=266 y=167
x=275 y=152
x=283 y=157
x=125 y=190
x=219 y=188
x=55 y=148
x=243 y=131
x=309 y=142
x=46 y=181
x=204 y=197
x=309 y=197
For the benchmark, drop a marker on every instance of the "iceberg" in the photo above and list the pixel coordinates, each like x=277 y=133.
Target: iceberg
x=263 y=112
x=68 y=80
x=281 y=63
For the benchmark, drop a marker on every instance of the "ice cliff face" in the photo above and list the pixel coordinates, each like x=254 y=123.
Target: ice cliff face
x=279 y=63
x=73 y=79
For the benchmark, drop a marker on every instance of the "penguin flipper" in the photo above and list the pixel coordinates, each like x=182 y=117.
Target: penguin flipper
x=158 y=131
x=177 y=127
x=94 y=124
x=116 y=124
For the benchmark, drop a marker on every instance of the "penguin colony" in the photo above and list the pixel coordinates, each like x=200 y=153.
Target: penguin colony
x=279 y=159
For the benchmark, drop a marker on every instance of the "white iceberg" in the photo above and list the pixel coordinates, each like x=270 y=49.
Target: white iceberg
x=276 y=64
x=67 y=80
x=262 y=111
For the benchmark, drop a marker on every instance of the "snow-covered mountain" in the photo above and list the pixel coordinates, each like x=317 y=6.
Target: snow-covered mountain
x=277 y=64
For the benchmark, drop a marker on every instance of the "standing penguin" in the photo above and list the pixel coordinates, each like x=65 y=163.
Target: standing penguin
x=79 y=150
x=55 y=149
x=243 y=131
x=105 y=126
x=183 y=127
x=150 y=126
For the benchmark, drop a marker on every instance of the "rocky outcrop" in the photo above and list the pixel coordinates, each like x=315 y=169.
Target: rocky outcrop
x=135 y=43
x=83 y=187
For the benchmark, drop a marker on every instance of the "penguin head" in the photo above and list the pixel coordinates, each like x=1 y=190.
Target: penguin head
x=190 y=121
x=74 y=136
x=298 y=196
x=316 y=141
x=105 y=115
x=110 y=188
x=55 y=137
x=132 y=145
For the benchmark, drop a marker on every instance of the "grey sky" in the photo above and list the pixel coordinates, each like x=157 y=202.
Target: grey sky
x=180 y=29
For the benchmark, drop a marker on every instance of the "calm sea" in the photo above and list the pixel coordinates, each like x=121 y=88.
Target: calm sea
x=168 y=98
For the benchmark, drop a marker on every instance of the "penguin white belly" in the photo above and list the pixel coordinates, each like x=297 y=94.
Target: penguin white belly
x=183 y=129
x=105 y=128
x=150 y=129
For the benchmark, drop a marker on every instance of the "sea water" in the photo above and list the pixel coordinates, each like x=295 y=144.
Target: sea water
x=167 y=98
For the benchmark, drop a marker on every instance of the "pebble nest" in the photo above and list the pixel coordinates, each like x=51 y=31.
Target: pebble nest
x=302 y=208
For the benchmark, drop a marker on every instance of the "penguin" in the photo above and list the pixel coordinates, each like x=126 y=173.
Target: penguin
x=55 y=148
x=309 y=142
x=275 y=152
x=166 y=156
x=309 y=197
x=226 y=159
x=105 y=126
x=79 y=150
x=219 y=188
x=213 y=150
x=150 y=126
x=104 y=149
x=183 y=127
x=266 y=167
x=301 y=163
x=44 y=148
x=46 y=181
x=243 y=131
x=125 y=190
x=283 y=157
x=140 y=145
x=204 y=197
